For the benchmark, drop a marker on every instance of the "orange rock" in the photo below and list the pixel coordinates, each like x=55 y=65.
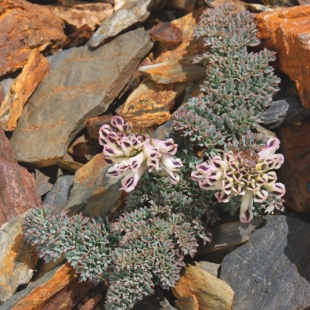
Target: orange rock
x=24 y=27
x=295 y=172
x=187 y=303
x=166 y=33
x=22 y=88
x=211 y=292
x=287 y=32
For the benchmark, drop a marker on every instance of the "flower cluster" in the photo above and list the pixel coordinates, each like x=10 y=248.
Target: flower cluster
x=134 y=154
x=246 y=174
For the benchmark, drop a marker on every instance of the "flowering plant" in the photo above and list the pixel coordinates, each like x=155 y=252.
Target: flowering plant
x=133 y=154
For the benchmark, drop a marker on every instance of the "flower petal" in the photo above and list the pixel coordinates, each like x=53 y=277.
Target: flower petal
x=246 y=214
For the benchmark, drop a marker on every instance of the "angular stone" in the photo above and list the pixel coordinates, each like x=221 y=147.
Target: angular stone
x=24 y=27
x=186 y=5
x=93 y=192
x=240 y=6
x=166 y=33
x=174 y=71
x=280 y=2
x=228 y=236
x=272 y=270
x=129 y=14
x=22 y=88
x=79 y=37
x=18 y=259
x=82 y=85
x=45 y=178
x=58 y=289
x=212 y=268
x=211 y=292
x=70 y=165
x=160 y=97
x=187 y=303
x=295 y=172
x=287 y=32
x=18 y=189
x=77 y=15
x=60 y=192
x=284 y=112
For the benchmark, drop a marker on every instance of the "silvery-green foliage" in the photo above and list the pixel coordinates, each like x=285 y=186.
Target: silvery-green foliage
x=239 y=85
x=84 y=242
x=150 y=253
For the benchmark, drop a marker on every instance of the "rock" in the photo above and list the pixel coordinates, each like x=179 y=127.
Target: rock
x=24 y=27
x=45 y=178
x=287 y=32
x=79 y=37
x=130 y=13
x=18 y=189
x=186 y=5
x=93 y=125
x=228 y=236
x=18 y=259
x=212 y=268
x=272 y=270
x=91 y=303
x=240 y=6
x=77 y=15
x=58 y=289
x=211 y=292
x=187 y=303
x=280 y=2
x=257 y=8
x=77 y=149
x=166 y=33
x=303 y=2
x=22 y=88
x=74 y=85
x=174 y=71
x=93 y=192
x=70 y=165
x=284 y=112
x=60 y=192
x=295 y=172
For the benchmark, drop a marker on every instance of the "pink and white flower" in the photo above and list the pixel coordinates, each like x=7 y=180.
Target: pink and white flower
x=243 y=174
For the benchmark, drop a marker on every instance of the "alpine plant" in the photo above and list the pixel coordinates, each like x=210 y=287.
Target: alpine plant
x=246 y=173
x=132 y=154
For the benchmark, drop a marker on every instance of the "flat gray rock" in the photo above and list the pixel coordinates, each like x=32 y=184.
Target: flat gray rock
x=272 y=270
x=60 y=192
x=83 y=85
x=131 y=13
x=286 y=111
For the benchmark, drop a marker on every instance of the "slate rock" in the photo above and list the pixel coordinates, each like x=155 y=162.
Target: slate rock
x=24 y=27
x=284 y=112
x=272 y=270
x=286 y=31
x=295 y=172
x=129 y=14
x=45 y=178
x=93 y=192
x=22 y=88
x=18 y=259
x=83 y=85
x=210 y=292
x=60 y=192
x=58 y=289
x=18 y=189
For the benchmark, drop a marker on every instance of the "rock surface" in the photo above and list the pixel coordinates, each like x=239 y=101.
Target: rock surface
x=24 y=27
x=93 y=192
x=18 y=259
x=22 y=88
x=287 y=32
x=18 y=189
x=129 y=14
x=272 y=270
x=58 y=289
x=284 y=112
x=74 y=85
x=211 y=292
x=295 y=172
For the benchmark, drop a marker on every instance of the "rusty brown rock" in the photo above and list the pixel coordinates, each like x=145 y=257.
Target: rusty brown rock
x=295 y=172
x=174 y=71
x=18 y=258
x=18 y=189
x=93 y=192
x=186 y=5
x=79 y=37
x=22 y=88
x=187 y=303
x=92 y=303
x=58 y=289
x=166 y=33
x=211 y=292
x=24 y=27
x=287 y=32
x=77 y=15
